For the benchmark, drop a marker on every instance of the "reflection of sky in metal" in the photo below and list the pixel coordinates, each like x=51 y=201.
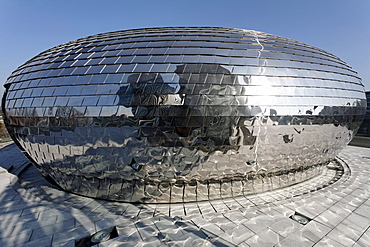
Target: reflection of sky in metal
x=141 y=114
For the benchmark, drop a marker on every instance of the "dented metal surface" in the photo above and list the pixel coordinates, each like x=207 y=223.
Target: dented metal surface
x=182 y=114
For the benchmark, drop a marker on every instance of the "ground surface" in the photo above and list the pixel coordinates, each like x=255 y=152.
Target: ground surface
x=361 y=141
x=337 y=203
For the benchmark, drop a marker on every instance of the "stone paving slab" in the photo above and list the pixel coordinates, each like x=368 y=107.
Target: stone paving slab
x=36 y=213
x=11 y=156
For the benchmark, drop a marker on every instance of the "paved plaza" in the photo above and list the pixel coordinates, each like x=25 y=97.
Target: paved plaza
x=335 y=207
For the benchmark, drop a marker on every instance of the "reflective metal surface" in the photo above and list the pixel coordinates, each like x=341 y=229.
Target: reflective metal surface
x=182 y=114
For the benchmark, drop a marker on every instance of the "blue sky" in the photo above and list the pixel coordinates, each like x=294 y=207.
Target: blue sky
x=339 y=27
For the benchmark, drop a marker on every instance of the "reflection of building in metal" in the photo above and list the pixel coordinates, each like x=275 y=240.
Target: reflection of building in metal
x=182 y=114
x=365 y=126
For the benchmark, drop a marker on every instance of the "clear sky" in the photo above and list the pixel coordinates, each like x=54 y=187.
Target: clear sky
x=28 y=27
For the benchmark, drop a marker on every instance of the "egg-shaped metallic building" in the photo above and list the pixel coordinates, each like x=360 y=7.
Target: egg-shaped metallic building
x=182 y=114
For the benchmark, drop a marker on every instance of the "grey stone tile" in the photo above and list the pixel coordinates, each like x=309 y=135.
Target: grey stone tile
x=226 y=226
x=7 y=194
x=267 y=197
x=285 y=227
x=200 y=221
x=232 y=204
x=18 y=240
x=10 y=215
x=192 y=211
x=124 y=231
x=211 y=230
x=177 y=210
x=363 y=210
x=353 y=201
x=218 y=241
x=6 y=231
x=163 y=225
x=283 y=210
x=69 y=243
x=47 y=221
x=333 y=195
x=72 y=234
x=264 y=238
x=342 y=210
x=364 y=240
x=151 y=242
x=346 y=234
x=105 y=223
x=62 y=216
x=329 y=218
x=161 y=209
x=219 y=206
x=148 y=231
x=367 y=202
x=40 y=242
x=328 y=242
x=239 y=234
x=148 y=222
x=325 y=201
x=296 y=240
x=52 y=229
x=358 y=244
x=186 y=224
x=195 y=238
x=314 y=231
x=243 y=201
x=16 y=201
x=311 y=210
x=270 y=210
x=223 y=239
x=84 y=222
x=361 y=193
x=35 y=211
x=259 y=223
x=356 y=221
x=48 y=212
x=256 y=200
x=170 y=234
x=205 y=208
x=251 y=212
x=91 y=205
x=292 y=205
x=279 y=196
x=235 y=217
x=217 y=218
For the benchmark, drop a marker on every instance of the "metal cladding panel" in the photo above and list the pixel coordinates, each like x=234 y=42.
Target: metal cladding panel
x=182 y=114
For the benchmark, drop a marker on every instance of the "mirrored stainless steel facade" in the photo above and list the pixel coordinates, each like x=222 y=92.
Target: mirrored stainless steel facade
x=182 y=114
